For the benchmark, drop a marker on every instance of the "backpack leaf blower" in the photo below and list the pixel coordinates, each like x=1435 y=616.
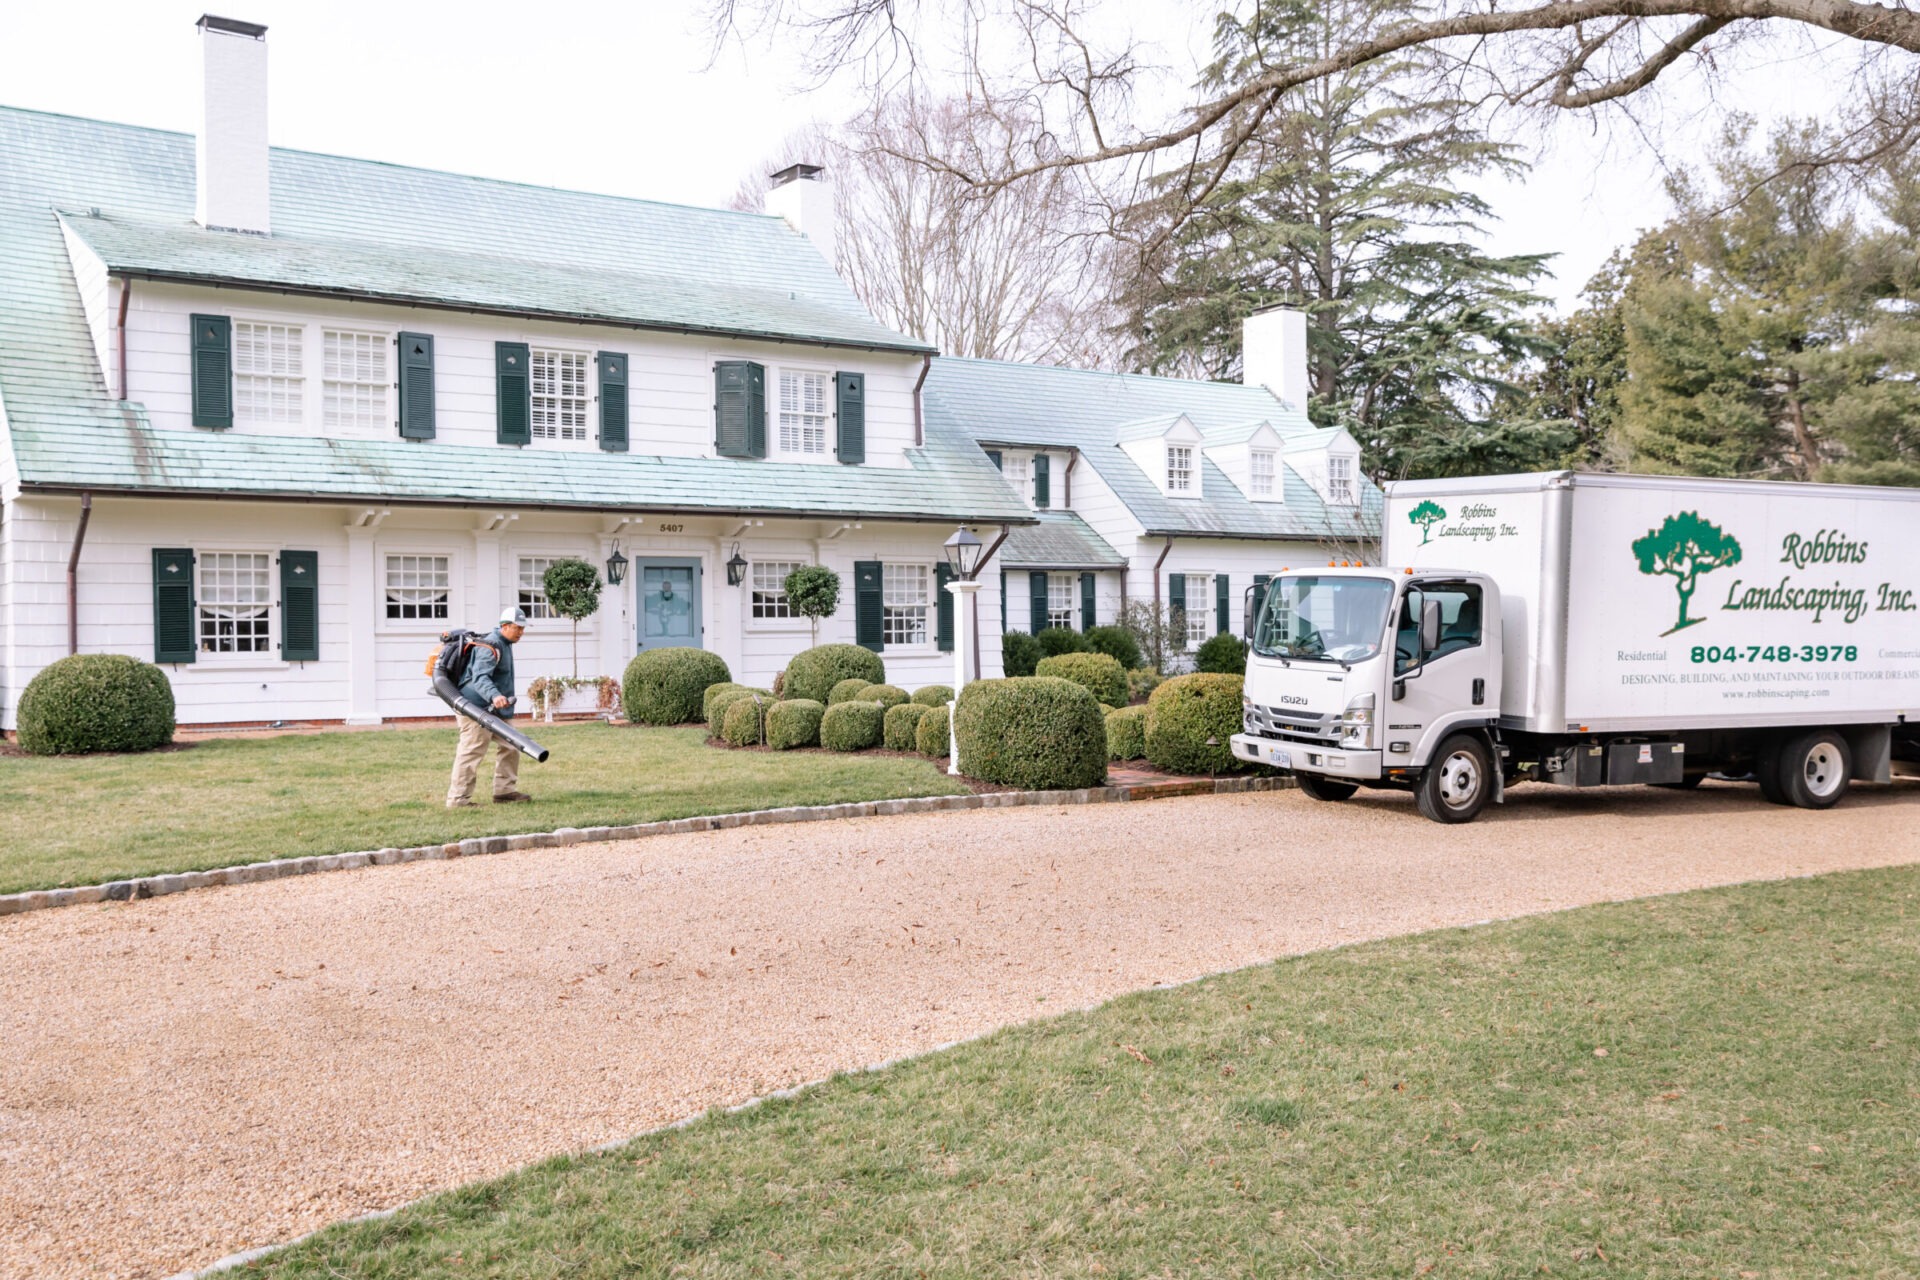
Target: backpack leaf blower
x=446 y=688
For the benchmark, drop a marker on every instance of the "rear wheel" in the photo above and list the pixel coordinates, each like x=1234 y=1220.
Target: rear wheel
x=1321 y=787
x=1813 y=770
x=1459 y=781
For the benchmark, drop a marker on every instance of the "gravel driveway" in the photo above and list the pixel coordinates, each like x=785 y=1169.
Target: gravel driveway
x=192 y=1075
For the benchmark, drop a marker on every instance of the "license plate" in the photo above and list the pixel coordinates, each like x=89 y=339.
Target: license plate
x=1282 y=759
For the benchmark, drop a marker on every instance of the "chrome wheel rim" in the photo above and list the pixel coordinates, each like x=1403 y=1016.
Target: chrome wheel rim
x=1822 y=770
x=1459 y=780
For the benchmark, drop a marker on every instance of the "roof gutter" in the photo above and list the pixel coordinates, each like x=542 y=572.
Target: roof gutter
x=1300 y=535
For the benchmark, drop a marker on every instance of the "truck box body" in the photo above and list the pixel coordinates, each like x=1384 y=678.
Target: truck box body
x=1666 y=603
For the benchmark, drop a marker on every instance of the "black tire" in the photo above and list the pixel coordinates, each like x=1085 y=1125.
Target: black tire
x=1321 y=787
x=1766 y=772
x=1458 y=781
x=1813 y=770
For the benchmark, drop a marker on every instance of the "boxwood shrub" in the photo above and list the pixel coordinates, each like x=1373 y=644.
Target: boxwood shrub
x=931 y=736
x=901 y=723
x=1127 y=733
x=794 y=722
x=887 y=695
x=813 y=672
x=1224 y=654
x=96 y=702
x=717 y=708
x=668 y=686
x=745 y=725
x=847 y=690
x=1038 y=732
x=1099 y=675
x=1019 y=653
x=1117 y=643
x=934 y=695
x=714 y=691
x=852 y=726
x=1191 y=721
x=1055 y=641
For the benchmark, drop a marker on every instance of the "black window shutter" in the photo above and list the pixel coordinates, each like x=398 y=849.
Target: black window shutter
x=512 y=393
x=212 y=372
x=173 y=638
x=1260 y=581
x=613 y=401
x=1177 y=599
x=1086 y=602
x=993 y=456
x=300 y=606
x=866 y=604
x=416 y=386
x=1222 y=606
x=850 y=411
x=1037 y=601
x=739 y=409
x=943 y=608
x=1042 y=491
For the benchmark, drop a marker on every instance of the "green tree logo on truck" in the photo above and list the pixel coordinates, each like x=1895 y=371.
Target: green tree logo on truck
x=1684 y=547
x=1427 y=515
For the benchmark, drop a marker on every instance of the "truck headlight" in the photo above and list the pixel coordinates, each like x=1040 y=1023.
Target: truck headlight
x=1356 y=723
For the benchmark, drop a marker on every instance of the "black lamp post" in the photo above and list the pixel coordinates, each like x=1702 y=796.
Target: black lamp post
x=963 y=554
x=616 y=567
x=736 y=568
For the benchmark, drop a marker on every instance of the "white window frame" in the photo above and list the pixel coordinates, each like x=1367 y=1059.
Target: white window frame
x=269 y=655
x=537 y=607
x=381 y=386
x=785 y=620
x=1271 y=488
x=777 y=443
x=1182 y=471
x=1017 y=468
x=588 y=399
x=1200 y=621
x=1342 y=491
x=292 y=383
x=924 y=606
x=1070 y=584
x=455 y=572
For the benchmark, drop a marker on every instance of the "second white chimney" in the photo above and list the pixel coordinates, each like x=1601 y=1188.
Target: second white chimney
x=805 y=200
x=1273 y=354
x=230 y=153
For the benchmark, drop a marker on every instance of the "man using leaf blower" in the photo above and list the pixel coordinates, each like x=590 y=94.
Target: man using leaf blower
x=488 y=682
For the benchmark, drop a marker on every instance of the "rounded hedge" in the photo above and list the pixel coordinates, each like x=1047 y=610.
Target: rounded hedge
x=900 y=723
x=1117 y=643
x=931 y=736
x=847 y=690
x=745 y=723
x=96 y=702
x=1038 y=732
x=1055 y=641
x=934 y=695
x=794 y=722
x=668 y=686
x=714 y=691
x=887 y=695
x=1099 y=675
x=717 y=709
x=1224 y=654
x=813 y=672
x=1141 y=682
x=1126 y=733
x=1019 y=653
x=1191 y=721
x=852 y=726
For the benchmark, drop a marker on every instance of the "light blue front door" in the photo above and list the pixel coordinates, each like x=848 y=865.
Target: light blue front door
x=670 y=604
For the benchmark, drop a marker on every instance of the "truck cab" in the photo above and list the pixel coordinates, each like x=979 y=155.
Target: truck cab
x=1378 y=677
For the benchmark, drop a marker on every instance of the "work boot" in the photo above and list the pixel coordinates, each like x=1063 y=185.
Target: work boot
x=511 y=797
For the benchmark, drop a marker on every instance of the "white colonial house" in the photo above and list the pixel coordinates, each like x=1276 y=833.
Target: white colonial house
x=275 y=420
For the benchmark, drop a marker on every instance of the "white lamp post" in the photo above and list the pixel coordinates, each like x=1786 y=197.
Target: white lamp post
x=963 y=557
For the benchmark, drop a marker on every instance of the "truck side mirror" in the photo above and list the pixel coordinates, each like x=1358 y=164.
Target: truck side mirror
x=1246 y=614
x=1429 y=627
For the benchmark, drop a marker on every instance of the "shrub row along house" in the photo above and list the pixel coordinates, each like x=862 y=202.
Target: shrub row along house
x=275 y=419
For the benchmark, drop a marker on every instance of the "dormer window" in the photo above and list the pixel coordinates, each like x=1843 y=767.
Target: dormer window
x=1018 y=470
x=1262 y=472
x=1179 y=468
x=1340 y=479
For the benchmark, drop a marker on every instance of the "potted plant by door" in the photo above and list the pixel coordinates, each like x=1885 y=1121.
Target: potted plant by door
x=573 y=592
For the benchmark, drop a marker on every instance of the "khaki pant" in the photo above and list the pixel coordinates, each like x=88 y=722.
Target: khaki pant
x=466 y=763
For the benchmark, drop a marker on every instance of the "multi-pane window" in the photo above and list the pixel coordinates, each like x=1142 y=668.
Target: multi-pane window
x=905 y=596
x=803 y=412
x=769 y=589
x=533 y=586
x=353 y=378
x=236 y=601
x=1060 y=593
x=418 y=588
x=560 y=398
x=267 y=374
x=1339 y=478
x=1018 y=470
x=1179 y=468
x=1199 y=608
x=1263 y=473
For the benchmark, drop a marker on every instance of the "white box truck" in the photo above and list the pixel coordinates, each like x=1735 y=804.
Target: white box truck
x=1598 y=630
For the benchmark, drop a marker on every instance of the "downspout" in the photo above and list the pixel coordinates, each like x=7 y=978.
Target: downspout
x=120 y=342
x=919 y=424
x=1066 y=478
x=73 y=575
x=974 y=603
x=1156 y=580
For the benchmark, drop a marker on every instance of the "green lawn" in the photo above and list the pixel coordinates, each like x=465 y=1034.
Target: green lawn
x=83 y=819
x=1436 y=1105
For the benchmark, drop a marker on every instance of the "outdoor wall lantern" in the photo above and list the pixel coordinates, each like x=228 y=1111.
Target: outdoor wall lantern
x=963 y=554
x=616 y=567
x=736 y=568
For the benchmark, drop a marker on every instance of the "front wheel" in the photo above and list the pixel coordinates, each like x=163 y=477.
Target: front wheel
x=1814 y=769
x=1458 y=782
x=1320 y=787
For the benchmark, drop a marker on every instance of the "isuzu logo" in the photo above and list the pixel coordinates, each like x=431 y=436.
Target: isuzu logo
x=1292 y=701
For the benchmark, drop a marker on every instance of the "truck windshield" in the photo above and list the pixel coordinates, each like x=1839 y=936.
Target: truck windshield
x=1323 y=618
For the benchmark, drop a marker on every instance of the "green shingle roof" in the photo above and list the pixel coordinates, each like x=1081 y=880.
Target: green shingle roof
x=1062 y=540
x=348 y=224
x=1006 y=403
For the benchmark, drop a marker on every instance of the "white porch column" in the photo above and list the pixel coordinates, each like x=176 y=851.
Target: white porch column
x=363 y=621
x=964 y=594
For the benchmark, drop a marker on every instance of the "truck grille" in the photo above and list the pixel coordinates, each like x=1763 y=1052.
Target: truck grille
x=1293 y=726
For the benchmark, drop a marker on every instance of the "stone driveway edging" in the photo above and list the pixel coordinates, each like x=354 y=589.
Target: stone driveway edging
x=282 y=868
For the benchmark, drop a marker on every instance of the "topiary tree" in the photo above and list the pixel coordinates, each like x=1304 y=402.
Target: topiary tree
x=794 y=722
x=573 y=592
x=668 y=686
x=1224 y=654
x=1191 y=721
x=1116 y=642
x=1055 y=641
x=813 y=592
x=96 y=702
x=934 y=695
x=901 y=724
x=1019 y=653
x=847 y=690
x=852 y=726
x=931 y=737
x=1428 y=514
x=1037 y=732
x=813 y=672
x=1098 y=674
x=1126 y=733
x=1684 y=547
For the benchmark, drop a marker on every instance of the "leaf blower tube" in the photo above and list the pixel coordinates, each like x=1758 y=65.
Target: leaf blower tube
x=487 y=720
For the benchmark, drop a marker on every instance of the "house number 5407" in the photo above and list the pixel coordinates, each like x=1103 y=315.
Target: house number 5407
x=672 y=528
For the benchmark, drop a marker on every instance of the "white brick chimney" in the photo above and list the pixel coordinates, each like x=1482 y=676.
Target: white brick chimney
x=805 y=199
x=230 y=153
x=1273 y=354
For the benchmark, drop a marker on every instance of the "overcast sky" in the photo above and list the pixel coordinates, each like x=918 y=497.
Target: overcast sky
x=619 y=96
